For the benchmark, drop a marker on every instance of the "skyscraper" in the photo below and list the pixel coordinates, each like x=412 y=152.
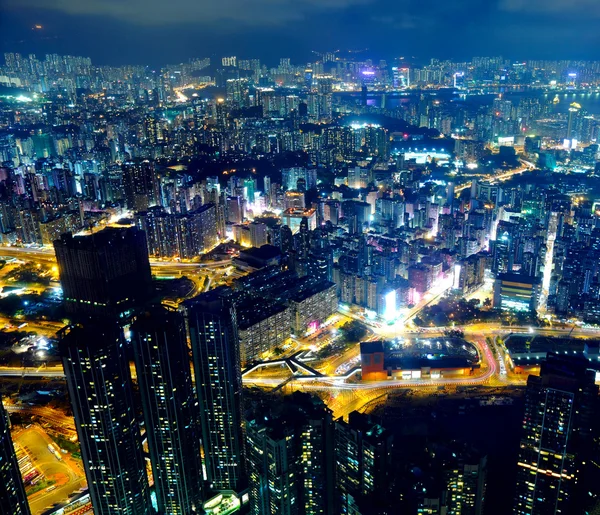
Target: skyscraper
x=216 y=355
x=464 y=477
x=100 y=388
x=196 y=232
x=12 y=493
x=290 y=457
x=139 y=179
x=556 y=437
x=169 y=408
x=363 y=457
x=104 y=274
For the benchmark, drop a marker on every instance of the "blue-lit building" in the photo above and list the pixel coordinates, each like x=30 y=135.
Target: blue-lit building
x=290 y=457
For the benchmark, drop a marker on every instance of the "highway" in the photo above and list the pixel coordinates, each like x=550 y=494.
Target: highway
x=46 y=255
x=491 y=372
x=202 y=275
x=504 y=176
x=331 y=382
x=475 y=333
x=55 y=417
x=346 y=394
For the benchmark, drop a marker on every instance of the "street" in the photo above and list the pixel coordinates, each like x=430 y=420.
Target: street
x=67 y=476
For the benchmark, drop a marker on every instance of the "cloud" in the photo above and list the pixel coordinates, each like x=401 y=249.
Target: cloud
x=159 y=31
x=404 y=21
x=161 y=12
x=581 y=8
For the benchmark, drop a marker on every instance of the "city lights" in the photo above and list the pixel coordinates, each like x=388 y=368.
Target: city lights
x=340 y=282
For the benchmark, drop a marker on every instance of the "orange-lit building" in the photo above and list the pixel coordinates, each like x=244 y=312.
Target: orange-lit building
x=372 y=359
x=418 y=358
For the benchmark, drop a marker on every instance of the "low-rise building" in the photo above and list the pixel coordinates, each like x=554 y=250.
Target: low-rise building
x=418 y=358
x=516 y=292
x=256 y=258
x=293 y=216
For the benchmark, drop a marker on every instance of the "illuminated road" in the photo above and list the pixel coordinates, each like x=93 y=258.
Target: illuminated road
x=55 y=417
x=345 y=394
x=31 y=372
x=475 y=333
x=528 y=167
x=340 y=384
x=67 y=476
x=202 y=275
x=491 y=373
x=552 y=229
x=46 y=254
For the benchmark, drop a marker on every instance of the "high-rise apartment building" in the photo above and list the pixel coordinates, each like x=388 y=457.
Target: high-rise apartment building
x=363 y=459
x=213 y=333
x=105 y=274
x=160 y=229
x=13 y=500
x=169 y=407
x=100 y=388
x=465 y=478
x=140 y=180
x=181 y=235
x=229 y=61
x=258 y=234
x=556 y=438
x=290 y=457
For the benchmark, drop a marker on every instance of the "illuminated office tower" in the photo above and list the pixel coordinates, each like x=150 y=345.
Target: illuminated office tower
x=99 y=381
x=556 y=439
x=12 y=494
x=213 y=333
x=104 y=274
x=169 y=407
x=290 y=457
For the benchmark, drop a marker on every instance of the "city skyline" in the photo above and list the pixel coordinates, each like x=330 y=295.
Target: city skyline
x=311 y=258
x=388 y=29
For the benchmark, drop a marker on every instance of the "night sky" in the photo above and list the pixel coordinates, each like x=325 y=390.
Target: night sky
x=168 y=31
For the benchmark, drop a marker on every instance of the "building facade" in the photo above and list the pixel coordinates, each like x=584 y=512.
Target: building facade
x=212 y=327
x=515 y=292
x=13 y=500
x=290 y=458
x=363 y=458
x=264 y=333
x=313 y=306
x=169 y=408
x=105 y=274
x=556 y=439
x=100 y=388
